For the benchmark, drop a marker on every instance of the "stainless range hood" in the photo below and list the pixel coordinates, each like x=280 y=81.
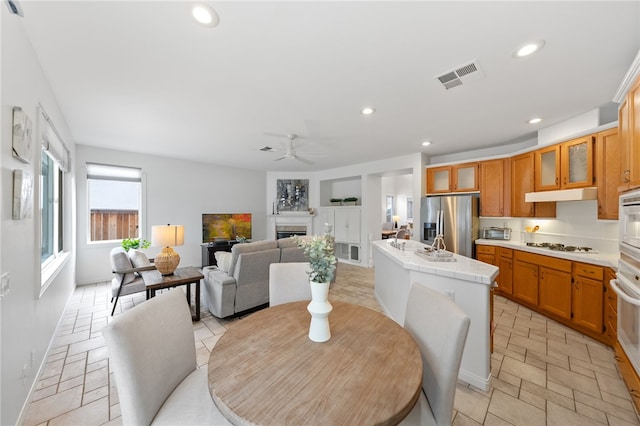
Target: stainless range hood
x=578 y=194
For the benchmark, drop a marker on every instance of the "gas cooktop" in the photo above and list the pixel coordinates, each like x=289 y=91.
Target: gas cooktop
x=562 y=247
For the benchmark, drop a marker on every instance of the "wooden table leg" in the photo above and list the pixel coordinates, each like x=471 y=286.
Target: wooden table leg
x=198 y=300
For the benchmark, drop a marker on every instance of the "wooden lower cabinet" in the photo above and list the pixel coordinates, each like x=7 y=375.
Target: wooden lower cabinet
x=555 y=291
x=505 y=276
x=588 y=304
x=610 y=309
x=525 y=271
x=572 y=293
x=628 y=374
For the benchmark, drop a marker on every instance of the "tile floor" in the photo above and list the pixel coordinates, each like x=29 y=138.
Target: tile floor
x=543 y=373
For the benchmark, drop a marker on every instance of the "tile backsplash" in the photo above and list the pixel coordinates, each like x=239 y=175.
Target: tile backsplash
x=576 y=223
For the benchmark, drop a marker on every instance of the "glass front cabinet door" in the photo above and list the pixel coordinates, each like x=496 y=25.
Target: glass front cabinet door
x=577 y=162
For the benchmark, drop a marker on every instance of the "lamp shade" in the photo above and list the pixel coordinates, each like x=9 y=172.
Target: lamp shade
x=167 y=235
x=396 y=218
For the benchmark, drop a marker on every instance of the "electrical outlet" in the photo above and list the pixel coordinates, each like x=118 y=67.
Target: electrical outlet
x=451 y=294
x=5 y=284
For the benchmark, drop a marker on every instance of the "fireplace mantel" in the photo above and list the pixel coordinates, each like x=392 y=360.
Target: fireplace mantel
x=288 y=219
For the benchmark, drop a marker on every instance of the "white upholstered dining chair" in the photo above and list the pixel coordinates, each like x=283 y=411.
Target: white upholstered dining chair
x=440 y=329
x=153 y=356
x=289 y=282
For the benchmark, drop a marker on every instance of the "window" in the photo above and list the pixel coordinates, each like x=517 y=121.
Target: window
x=54 y=162
x=389 y=210
x=115 y=199
x=410 y=209
x=51 y=179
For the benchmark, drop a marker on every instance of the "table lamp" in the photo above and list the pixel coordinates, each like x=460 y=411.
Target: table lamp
x=167 y=236
x=395 y=221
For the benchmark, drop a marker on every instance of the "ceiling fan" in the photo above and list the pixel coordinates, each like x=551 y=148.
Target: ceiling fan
x=290 y=151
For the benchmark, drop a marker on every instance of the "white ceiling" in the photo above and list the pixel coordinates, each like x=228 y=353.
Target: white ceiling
x=142 y=76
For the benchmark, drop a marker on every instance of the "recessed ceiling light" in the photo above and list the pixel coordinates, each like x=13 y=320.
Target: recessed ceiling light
x=426 y=143
x=367 y=111
x=529 y=48
x=535 y=120
x=205 y=15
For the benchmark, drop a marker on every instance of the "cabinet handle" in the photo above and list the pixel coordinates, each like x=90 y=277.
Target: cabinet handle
x=556 y=180
x=625 y=175
x=565 y=180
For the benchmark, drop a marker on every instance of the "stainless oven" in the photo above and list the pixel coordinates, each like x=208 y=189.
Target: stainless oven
x=629 y=216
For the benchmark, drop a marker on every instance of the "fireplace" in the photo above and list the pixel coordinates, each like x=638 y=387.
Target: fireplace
x=284 y=225
x=284 y=231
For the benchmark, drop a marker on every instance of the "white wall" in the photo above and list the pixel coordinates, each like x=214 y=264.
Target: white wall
x=401 y=187
x=176 y=192
x=28 y=319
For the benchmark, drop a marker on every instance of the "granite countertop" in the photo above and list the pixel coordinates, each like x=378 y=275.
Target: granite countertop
x=462 y=268
x=609 y=260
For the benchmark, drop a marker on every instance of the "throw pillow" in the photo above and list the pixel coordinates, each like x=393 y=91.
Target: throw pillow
x=120 y=261
x=223 y=259
x=138 y=258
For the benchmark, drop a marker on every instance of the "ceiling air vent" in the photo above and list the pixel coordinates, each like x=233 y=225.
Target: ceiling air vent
x=460 y=75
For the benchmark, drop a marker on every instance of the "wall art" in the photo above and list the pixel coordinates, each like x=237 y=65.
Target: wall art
x=22 y=194
x=21 y=141
x=292 y=195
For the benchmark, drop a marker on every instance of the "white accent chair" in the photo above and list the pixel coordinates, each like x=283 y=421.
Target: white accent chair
x=126 y=267
x=153 y=356
x=440 y=329
x=289 y=282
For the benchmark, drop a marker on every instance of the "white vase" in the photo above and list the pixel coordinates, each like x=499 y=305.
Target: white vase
x=319 y=308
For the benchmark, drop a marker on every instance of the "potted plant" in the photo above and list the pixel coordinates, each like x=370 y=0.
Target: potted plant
x=322 y=260
x=350 y=201
x=336 y=201
x=135 y=243
x=319 y=250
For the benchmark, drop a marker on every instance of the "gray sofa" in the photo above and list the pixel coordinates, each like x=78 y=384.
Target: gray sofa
x=245 y=284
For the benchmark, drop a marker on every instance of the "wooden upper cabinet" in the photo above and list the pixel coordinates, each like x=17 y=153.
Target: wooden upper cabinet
x=565 y=166
x=439 y=179
x=465 y=177
x=547 y=168
x=495 y=187
x=634 y=141
x=576 y=170
x=624 y=137
x=455 y=178
x=522 y=181
x=629 y=133
x=608 y=172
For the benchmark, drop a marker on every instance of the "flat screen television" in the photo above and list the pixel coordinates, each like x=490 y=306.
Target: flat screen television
x=225 y=226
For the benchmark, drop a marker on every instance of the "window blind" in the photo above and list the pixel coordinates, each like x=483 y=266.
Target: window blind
x=109 y=172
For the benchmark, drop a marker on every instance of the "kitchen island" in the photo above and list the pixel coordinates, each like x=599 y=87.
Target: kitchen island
x=466 y=281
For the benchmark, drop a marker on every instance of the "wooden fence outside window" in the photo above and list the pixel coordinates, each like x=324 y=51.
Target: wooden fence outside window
x=113 y=224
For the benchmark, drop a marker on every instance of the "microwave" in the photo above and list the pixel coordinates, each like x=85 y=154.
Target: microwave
x=629 y=218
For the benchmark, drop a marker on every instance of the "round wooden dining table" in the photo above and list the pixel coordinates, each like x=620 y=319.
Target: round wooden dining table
x=264 y=369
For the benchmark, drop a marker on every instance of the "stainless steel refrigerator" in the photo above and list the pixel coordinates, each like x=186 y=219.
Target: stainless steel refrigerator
x=454 y=216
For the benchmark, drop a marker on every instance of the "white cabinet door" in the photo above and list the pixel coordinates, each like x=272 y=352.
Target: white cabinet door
x=347 y=224
x=326 y=215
